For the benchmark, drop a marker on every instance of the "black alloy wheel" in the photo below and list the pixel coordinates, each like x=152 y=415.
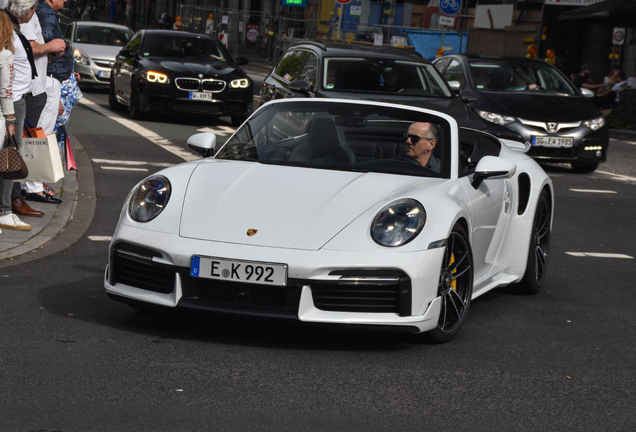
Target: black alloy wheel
x=113 y=105
x=455 y=286
x=133 y=106
x=537 y=264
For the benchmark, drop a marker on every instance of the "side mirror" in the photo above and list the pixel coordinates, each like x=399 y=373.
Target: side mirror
x=516 y=145
x=125 y=53
x=589 y=94
x=456 y=86
x=299 y=86
x=203 y=143
x=491 y=167
x=467 y=96
x=242 y=61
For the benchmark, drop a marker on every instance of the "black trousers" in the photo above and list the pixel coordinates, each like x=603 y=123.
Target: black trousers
x=34 y=107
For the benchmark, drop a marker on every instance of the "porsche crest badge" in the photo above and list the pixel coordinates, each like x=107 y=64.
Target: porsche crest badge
x=251 y=232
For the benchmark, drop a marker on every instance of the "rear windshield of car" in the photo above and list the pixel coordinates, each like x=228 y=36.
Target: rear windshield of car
x=180 y=46
x=376 y=75
x=511 y=77
x=338 y=136
x=97 y=35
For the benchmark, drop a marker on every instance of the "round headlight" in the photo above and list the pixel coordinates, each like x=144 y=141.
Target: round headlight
x=398 y=223
x=149 y=199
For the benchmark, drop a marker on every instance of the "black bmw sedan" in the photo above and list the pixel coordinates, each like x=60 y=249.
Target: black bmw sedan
x=167 y=70
x=531 y=101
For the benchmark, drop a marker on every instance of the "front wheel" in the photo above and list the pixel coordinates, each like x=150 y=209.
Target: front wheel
x=113 y=105
x=133 y=106
x=537 y=264
x=455 y=286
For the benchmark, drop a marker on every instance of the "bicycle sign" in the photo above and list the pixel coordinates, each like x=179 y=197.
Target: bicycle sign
x=450 y=7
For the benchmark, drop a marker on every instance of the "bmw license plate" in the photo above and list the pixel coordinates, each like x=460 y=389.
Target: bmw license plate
x=201 y=96
x=239 y=271
x=103 y=74
x=543 y=141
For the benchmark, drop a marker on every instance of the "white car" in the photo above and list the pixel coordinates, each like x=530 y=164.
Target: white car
x=312 y=212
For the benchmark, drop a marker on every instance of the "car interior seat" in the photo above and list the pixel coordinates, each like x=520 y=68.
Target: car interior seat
x=325 y=145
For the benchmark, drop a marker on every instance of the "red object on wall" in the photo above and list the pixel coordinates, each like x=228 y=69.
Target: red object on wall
x=252 y=33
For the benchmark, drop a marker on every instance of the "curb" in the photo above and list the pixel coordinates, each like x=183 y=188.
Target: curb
x=64 y=216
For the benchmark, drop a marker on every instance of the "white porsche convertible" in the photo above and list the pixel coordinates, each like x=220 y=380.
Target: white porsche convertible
x=313 y=211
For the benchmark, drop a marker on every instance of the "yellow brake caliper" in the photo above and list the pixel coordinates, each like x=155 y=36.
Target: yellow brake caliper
x=454 y=281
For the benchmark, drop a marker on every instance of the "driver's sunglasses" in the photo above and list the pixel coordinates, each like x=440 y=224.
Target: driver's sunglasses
x=415 y=138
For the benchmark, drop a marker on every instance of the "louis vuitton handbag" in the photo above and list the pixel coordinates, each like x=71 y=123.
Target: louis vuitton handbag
x=12 y=166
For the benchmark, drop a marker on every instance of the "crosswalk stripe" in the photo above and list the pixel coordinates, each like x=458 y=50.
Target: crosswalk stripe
x=599 y=255
x=593 y=191
x=127 y=162
x=124 y=169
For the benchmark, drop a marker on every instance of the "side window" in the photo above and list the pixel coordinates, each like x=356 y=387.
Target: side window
x=455 y=73
x=309 y=69
x=473 y=146
x=288 y=66
x=441 y=64
x=133 y=44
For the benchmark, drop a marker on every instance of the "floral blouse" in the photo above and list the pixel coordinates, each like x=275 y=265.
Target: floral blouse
x=7 y=74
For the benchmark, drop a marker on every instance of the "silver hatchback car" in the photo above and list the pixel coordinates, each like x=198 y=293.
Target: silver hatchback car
x=95 y=46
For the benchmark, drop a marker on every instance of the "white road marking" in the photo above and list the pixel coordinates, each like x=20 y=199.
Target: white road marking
x=100 y=238
x=124 y=169
x=593 y=191
x=599 y=255
x=126 y=162
x=218 y=130
x=626 y=142
x=146 y=133
x=617 y=176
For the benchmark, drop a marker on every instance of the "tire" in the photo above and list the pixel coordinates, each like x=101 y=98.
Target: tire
x=538 y=252
x=455 y=286
x=133 y=106
x=584 y=167
x=113 y=105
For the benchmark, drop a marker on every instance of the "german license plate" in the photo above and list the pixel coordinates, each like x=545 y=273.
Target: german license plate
x=543 y=141
x=201 y=96
x=103 y=74
x=239 y=271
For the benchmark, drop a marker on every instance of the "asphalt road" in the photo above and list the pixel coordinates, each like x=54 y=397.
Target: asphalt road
x=72 y=360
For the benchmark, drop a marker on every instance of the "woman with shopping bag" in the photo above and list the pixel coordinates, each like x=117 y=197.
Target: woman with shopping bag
x=8 y=220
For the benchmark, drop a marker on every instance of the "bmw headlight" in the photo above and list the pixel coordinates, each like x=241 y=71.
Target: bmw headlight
x=497 y=119
x=80 y=58
x=595 y=124
x=156 y=77
x=149 y=199
x=398 y=223
x=240 y=83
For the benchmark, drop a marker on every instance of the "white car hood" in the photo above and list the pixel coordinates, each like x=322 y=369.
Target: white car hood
x=296 y=208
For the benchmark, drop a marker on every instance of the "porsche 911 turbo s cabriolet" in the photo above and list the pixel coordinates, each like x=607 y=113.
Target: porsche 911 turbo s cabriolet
x=317 y=211
x=174 y=71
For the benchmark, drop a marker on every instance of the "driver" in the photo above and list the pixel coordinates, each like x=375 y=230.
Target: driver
x=420 y=142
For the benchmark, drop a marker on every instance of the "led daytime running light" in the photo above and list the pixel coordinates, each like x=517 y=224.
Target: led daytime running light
x=157 y=77
x=240 y=83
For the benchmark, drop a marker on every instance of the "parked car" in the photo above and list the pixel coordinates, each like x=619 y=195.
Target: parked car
x=531 y=100
x=315 y=211
x=175 y=71
x=352 y=71
x=95 y=46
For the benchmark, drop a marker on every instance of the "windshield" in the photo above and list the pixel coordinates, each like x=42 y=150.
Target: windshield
x=336 y=135
x=98 y=35
x=506 y=76
x=180 y=46
x=377 y=75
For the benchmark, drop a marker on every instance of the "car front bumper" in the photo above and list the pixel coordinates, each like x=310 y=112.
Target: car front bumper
x=588 y=146
x=93 y=74
x=155 y=270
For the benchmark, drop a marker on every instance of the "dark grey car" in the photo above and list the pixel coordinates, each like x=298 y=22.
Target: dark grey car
x=350 y=71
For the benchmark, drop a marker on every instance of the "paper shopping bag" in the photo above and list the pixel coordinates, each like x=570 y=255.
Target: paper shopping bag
x=70 y=158
x=43 y=159
x=31 y=131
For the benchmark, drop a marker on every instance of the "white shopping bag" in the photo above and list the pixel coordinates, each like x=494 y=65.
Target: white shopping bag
x=43 y=159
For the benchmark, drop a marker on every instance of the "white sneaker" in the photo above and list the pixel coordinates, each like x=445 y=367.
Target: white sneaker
x=12 y=222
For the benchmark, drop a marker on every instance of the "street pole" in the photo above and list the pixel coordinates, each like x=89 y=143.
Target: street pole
x=339 y=21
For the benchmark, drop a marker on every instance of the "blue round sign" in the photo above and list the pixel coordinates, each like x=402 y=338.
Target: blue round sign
x=450 y=7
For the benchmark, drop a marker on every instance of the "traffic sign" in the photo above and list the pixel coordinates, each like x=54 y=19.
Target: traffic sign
x=450 y=7
x=619 y=36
